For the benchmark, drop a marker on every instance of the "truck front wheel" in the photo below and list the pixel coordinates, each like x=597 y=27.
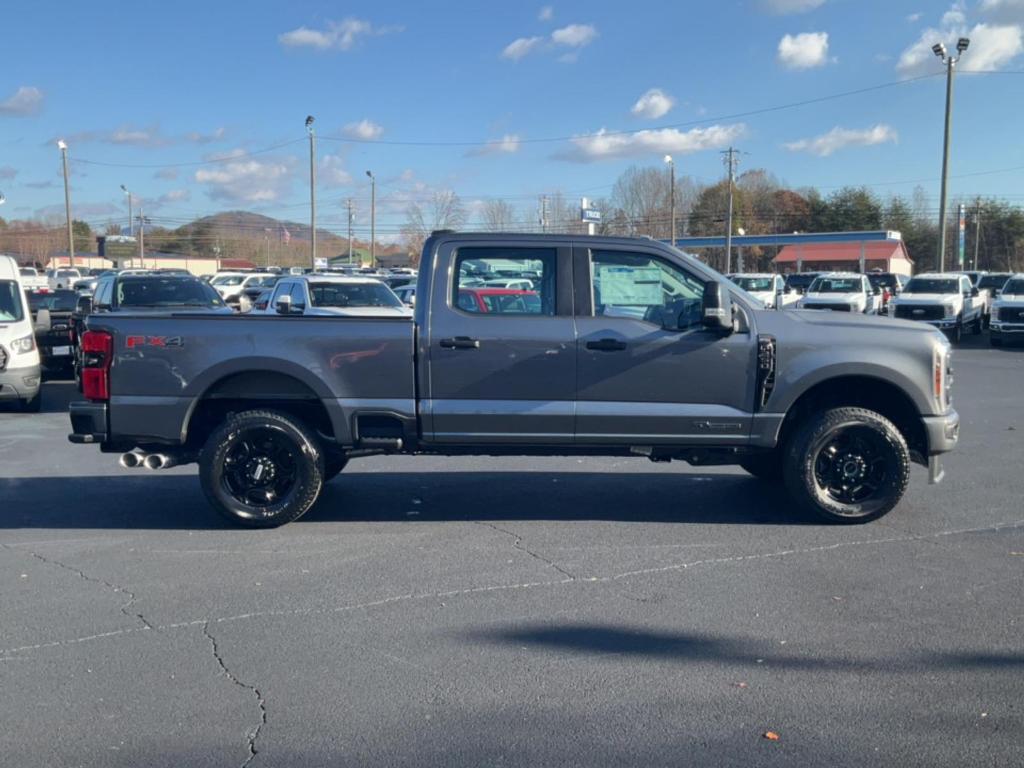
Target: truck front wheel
x=262 y=469
x=847 y=465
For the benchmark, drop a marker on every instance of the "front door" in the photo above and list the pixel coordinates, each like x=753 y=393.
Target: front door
x=647 y=370
x=502 y=361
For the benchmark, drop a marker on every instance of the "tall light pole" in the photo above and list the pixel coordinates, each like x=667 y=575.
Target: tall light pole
x=312 y=190
x=131 y=224
x=373 y=219
x=350 y=220
x=67 y=203
x=142 y=238
x=950 y=61
x=672 y=194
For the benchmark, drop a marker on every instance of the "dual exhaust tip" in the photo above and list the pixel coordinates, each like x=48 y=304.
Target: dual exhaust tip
x=136 y=458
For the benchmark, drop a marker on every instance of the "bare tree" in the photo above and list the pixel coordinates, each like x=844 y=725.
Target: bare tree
x=442 y=210
x=641 y=196
x=498 y=216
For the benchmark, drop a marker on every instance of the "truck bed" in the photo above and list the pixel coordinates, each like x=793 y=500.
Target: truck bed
x=162 y=366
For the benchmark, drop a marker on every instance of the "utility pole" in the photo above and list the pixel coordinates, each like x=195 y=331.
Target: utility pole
x=266 y=239
x=349 y=204
x=672 y=195
x=544 y=213
x=131 y=223
x=373 y=219
x=730 y=160
x=312 y=191
x=950 y=61
x=142 y=239
x=67 y=204
x=977 y=233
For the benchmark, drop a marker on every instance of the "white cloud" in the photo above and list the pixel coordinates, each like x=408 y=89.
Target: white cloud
x=506 y=145
x=992 y=45
x=170 y=198
x=338 y=35
x=24 y=102
x=1003 y=11
x=248 y=180
x=546 y=13
x=134 y=136
x=332 y=172
x=366 y=130
x=520 y=47
x=198 y=137
x=605 y=145
x=575 y=35
x=8 y=172
x=783 y=7
x=913 y=18
x=653 y=104
x=804 y=51
x=840 y=138
x=166 y=174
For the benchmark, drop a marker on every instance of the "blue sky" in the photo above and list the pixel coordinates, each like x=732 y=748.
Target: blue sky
x=146 y=84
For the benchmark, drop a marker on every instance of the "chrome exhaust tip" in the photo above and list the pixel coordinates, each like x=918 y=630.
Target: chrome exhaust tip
x=132 y=459
x=155 y=461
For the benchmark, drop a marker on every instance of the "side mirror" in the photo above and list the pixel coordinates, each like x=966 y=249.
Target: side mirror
x=788 y=289
x=877 y=291
x=975 y=292
x=716 y=310
x=84 y=305
x=42 y=321
x=283 y=305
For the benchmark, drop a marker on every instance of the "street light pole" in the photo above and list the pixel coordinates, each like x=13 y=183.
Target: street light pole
x=312 y=191
x=67 y=204
x=142 y=238
x=373 y=219
x=131 y=224
x=349 y=204
x=672 y=195
x=731 y=162
x=950 y=61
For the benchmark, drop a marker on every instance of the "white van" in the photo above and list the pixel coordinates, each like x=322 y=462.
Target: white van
x=20 y=376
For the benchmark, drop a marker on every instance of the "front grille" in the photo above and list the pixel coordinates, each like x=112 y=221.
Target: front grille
x=924 y=312
x=1011 y=314
x=3 y=359
x=833 y=307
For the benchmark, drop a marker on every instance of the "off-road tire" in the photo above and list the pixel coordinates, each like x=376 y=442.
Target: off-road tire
x=309 y=469
x=802 y=456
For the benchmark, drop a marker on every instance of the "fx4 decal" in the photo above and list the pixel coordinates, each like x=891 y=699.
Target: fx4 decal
x=132 y=342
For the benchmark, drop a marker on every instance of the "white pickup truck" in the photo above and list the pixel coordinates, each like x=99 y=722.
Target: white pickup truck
x=946 y=300
x=1008 y=312
x=841 y=292
x=765 y=287
x=31 y=280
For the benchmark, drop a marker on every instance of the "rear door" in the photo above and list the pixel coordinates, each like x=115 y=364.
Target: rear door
x=647 y=370
x=501 y=369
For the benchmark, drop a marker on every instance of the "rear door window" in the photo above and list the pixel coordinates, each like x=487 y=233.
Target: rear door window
x=480 y=271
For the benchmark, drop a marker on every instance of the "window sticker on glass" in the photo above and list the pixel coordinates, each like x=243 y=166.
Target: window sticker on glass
x=626 y=286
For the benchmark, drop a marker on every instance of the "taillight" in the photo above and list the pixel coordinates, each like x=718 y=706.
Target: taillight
x=97 y=355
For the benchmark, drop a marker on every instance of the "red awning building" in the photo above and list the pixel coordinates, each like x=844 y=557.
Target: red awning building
x=885 y=256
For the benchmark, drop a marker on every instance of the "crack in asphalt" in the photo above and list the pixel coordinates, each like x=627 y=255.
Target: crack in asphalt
x=384 y=601
x=94 y=580
x=254 y=733
x=517 y=542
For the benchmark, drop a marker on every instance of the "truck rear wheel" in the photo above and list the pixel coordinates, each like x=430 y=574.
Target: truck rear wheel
x=262 y=469
x=847 y=465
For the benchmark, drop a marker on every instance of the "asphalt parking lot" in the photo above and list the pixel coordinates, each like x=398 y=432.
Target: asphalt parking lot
x=487 y=611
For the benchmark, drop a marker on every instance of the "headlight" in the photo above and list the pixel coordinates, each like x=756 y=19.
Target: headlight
x=950 y=310
x=24 y=344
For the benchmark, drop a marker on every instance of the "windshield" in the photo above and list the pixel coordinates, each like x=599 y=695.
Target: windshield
x=883 y=281
x=800 y=280
x=68 y=273
x=58 y=301
x=263 y=282
x=993 y=282
x=1014 y=288
x=352 y=295
x=166 y=292
x=836 y=285
x=754 y=283
x=227 y=280
x=932 y=285
x=28 y=272
x=11 y=308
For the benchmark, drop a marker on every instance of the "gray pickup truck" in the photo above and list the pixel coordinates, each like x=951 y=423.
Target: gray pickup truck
x=617 y=347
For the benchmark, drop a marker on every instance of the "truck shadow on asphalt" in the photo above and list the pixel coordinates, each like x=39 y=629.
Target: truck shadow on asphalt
x=175 y=502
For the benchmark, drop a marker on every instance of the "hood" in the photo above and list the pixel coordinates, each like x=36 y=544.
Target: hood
x=1008 y=299
x=926 y=298
x=852 y=321
x=832 y=298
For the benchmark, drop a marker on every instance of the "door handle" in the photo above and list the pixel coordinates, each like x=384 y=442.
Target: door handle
x=460 y=342
x=607 y=345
